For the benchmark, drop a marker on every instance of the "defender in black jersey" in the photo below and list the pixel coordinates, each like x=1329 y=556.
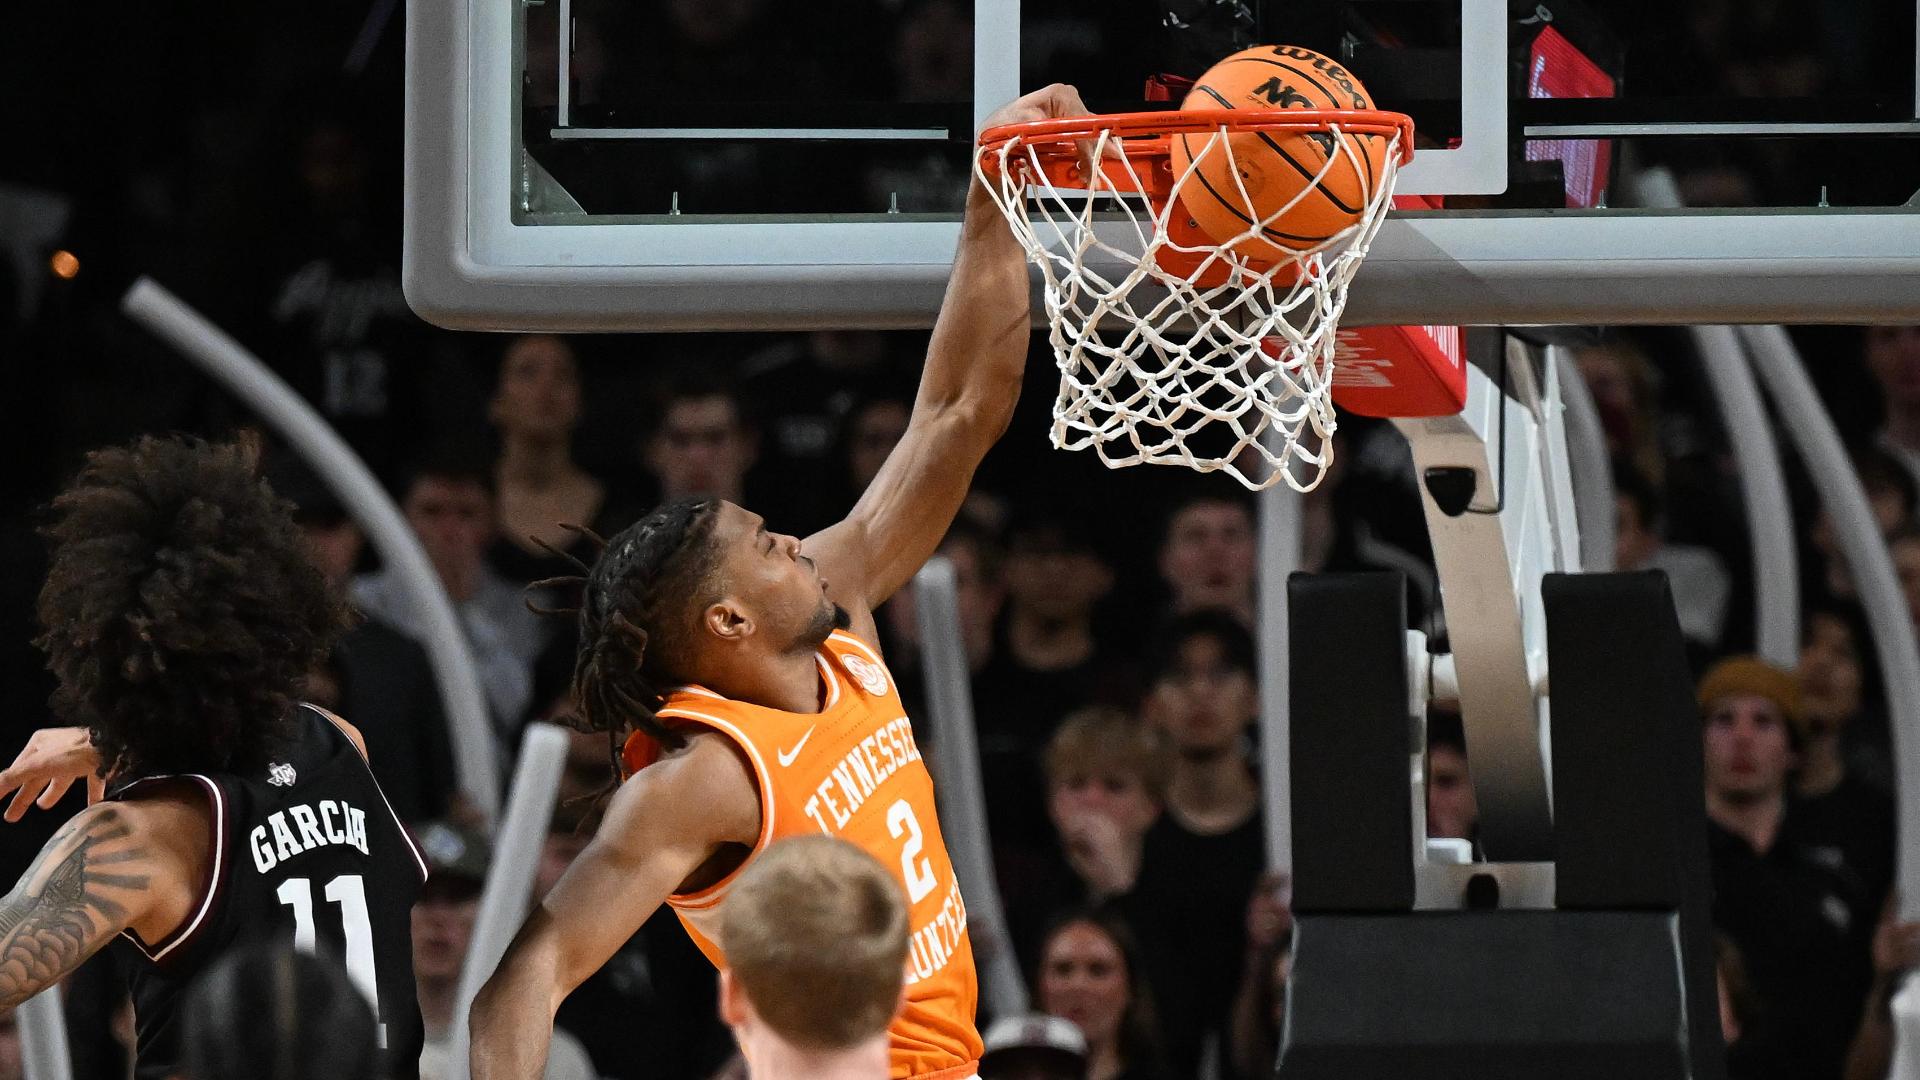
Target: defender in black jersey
x=181 y=615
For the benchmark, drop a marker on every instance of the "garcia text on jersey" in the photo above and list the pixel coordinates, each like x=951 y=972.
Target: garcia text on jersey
x=304 y=827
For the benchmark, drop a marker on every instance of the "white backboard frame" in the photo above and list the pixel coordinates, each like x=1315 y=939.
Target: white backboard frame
x=467 y=264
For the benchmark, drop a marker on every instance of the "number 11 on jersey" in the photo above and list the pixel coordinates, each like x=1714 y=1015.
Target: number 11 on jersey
x=350 y=893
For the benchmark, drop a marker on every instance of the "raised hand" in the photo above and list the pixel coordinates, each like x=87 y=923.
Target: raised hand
x=49 y=764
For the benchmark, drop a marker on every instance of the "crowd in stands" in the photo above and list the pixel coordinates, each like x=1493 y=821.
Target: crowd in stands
x=1110 y=620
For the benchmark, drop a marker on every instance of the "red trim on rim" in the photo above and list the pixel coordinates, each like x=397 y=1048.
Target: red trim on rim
x=1147 y=135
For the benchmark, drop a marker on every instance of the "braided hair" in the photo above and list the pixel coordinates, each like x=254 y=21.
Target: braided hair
x=639 y=609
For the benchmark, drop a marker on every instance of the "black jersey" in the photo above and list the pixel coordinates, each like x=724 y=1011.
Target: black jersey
x=306 y=852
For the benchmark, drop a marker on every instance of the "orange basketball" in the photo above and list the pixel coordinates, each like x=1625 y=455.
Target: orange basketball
x=1276 y=166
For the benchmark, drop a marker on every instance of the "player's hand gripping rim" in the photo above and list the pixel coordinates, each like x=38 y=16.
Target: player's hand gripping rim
x=47 y=767
x=1055 y=102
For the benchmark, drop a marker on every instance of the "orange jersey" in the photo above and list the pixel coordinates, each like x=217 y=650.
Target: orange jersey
x=852 y=770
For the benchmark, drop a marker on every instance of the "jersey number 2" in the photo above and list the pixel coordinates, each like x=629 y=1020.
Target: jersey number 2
x=919 y=872
x=350 y=892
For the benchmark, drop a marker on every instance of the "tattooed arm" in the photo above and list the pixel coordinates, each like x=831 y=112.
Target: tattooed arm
x=89 y=883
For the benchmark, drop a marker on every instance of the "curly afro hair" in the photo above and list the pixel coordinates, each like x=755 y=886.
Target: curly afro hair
x=181 y=614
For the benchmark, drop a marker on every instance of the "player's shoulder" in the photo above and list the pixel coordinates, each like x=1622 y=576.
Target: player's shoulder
x=705 y=784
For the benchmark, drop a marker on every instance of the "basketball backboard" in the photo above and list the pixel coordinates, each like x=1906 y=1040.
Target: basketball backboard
x=582 y=165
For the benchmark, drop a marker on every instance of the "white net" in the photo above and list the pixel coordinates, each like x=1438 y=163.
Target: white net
x=1176 y=354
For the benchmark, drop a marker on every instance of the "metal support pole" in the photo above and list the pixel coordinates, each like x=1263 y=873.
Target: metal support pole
x=1763 y=484
x=307 y=434
x=509 y=889
x=1819 y=444
x=963 y=800
x=1281 y=522
x=43 y=1037
x=1587 y=459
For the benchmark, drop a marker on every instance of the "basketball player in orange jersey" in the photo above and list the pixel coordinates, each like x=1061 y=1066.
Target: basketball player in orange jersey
x=743 y=663
x=816 y=934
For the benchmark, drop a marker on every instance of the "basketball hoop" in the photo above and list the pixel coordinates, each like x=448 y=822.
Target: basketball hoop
x=1176 y=347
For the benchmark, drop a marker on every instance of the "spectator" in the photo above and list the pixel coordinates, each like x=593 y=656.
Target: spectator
x=702 y=446
x=1207 y=555
x=1452 y=810
x=873 y=428
x=1045 y=660
x=1260 y=1009
x=1700 y=583
x=536 y=409
x=1832 y=802
x=268 y=1012
x=1106 y=781
x=377 y=678
x=1904 y=547
x=1896 y=953
x=449 y=503
x=1893 y=355
x=333 y=318
x=442 y=932
x=1800 y=915
x=1205 y=853
x=1625 y=389
x=1033 y=1047
x=1890 y=495
x=979 y=589
x=1089 y=974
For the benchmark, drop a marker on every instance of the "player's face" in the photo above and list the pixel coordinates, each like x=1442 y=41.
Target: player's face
x=770 y=574
x=1748 y=752
x=1451 y=810
x=1203 y=702
x=1083 y=977
x=539 y=393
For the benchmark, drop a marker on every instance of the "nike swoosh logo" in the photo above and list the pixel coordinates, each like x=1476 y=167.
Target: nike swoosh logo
x=787 y=756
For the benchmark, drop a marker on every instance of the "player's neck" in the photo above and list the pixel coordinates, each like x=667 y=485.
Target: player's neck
x=1213 y=794
x=773 y=1058
x=1754 y=819
x=1043 y=644
x=788 y=681
x=535 y=463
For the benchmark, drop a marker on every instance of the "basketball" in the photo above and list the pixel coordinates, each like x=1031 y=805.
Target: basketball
x=1277 y=167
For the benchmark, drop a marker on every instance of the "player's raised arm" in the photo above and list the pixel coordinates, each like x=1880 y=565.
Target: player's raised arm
x=90 y=882
x=967 y=394
x=661 y=826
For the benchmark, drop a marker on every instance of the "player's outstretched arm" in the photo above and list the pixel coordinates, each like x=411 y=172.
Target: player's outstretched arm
x=661 y=826
x=95 y=878
x=967 y=394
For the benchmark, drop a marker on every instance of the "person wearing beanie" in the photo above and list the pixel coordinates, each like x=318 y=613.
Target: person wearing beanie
x=1801 y=918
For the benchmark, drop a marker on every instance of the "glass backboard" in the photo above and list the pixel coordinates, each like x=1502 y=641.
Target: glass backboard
x=760 y=164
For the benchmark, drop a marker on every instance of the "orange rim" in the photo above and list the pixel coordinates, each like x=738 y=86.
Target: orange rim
x=1145 y=138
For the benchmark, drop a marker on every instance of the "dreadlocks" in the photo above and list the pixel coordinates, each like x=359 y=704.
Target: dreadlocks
x=640 y=603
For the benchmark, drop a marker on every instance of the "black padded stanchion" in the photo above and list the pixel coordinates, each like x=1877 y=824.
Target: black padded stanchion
x=1629 y=815
x=1349 y=740
x=1617 y=980
x=1484 y=995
